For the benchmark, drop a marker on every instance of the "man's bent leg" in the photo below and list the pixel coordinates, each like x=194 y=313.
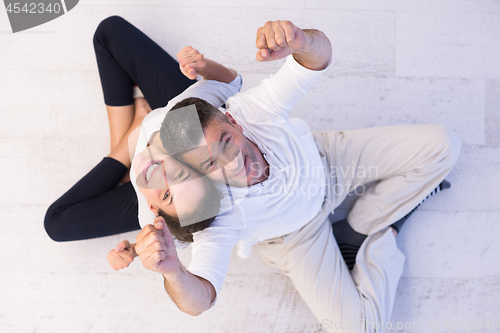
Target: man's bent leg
x=408 y=162
x=350 y=241
x=311 y=258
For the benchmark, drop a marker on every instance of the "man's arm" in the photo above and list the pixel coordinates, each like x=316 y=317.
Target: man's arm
x=192 y=294
x=308 y=54
x=155 y=246
x=192 y=63
x=316 y=52
x=278 y=39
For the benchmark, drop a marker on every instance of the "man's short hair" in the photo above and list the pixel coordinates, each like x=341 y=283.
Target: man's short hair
x=182 y=131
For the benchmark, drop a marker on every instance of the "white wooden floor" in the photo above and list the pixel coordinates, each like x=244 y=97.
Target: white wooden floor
x=397 y=62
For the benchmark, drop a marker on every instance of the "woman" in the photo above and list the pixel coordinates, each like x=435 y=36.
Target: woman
x=187 y=200
x=96 y=206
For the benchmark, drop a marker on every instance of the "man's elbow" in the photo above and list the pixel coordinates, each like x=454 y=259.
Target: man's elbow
x=194 y=314
x=200 y=301
x=208 y=298
x=197 y=310
x=193 y=309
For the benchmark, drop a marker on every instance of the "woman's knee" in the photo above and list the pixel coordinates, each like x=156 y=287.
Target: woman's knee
x=52 y=224
x=108 y=25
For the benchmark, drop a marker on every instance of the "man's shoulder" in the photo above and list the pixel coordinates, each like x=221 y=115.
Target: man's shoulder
x=249 y=113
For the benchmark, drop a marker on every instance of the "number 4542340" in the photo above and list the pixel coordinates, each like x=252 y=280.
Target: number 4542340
x=33 y=8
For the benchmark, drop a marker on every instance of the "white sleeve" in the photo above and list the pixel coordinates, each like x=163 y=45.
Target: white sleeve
x=211 y=253
x=214 y=92
x=281 y=91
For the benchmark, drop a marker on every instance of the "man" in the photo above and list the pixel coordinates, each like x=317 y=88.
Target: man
x=294 y=180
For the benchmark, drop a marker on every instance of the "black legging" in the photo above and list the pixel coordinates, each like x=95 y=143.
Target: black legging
x=96 y=206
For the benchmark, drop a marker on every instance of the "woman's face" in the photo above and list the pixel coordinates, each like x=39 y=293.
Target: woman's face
x=168 y=184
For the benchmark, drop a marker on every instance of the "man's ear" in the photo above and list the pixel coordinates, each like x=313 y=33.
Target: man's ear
x=233 y=122
x=153 y=208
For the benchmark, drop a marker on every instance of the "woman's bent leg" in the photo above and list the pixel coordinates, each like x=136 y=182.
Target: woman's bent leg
x=126 y=55
x=94 y=207
x=120 y=118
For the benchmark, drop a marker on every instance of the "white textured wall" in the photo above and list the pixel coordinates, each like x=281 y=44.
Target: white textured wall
x=396 y=62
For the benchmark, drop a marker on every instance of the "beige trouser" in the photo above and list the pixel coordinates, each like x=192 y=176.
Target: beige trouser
x=407 y=163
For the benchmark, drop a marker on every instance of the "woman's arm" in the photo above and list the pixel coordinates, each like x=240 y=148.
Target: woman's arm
x=218 y=72
x=192 y=63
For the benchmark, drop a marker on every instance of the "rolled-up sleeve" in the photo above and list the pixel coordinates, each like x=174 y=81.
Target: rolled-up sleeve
x=211 y=253
x=281 y=91
x=214 y=92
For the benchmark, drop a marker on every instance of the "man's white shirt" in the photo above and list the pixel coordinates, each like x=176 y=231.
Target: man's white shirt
x=295 y=189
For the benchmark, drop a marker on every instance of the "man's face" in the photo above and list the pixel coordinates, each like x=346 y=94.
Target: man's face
x=226 y=156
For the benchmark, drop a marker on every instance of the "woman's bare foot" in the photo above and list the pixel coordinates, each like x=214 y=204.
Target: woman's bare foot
x=126 y=177
x=141 y=110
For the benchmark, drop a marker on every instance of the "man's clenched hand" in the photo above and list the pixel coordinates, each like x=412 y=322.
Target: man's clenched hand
x=278 y=39
x=156 y=248
x=310 y=48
